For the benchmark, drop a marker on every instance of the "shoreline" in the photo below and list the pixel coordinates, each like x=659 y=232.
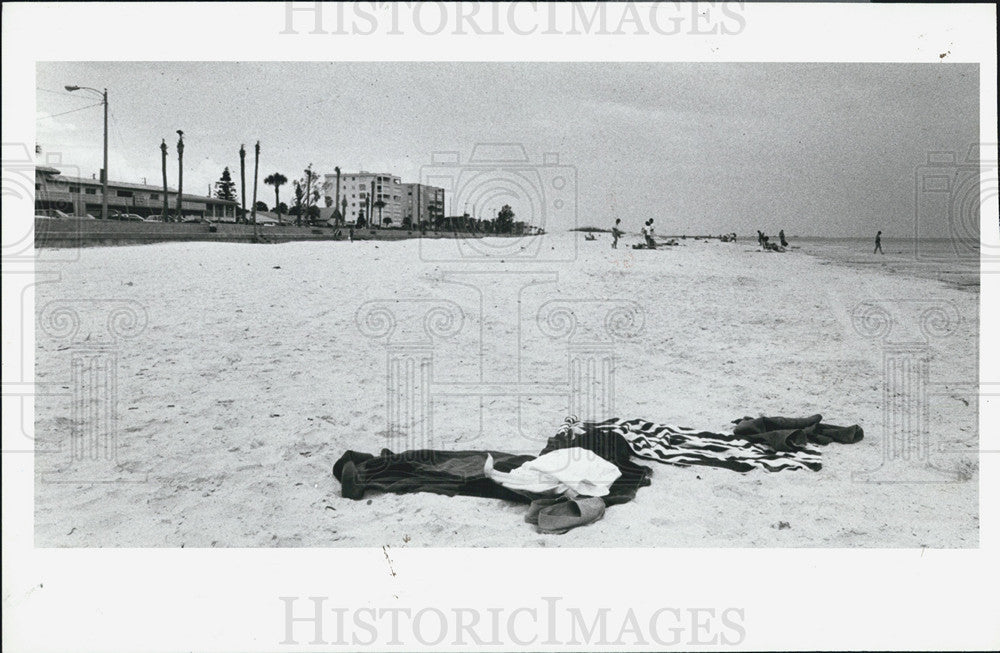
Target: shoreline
x=936 y=265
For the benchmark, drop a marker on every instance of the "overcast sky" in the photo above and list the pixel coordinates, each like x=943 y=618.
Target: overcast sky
x=814 y=149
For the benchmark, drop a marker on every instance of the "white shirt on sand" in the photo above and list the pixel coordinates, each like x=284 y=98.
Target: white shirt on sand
x=573 y=468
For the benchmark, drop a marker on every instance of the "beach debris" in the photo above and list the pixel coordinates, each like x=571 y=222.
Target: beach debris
x=781 y=525
x=275 y=415
x=385 y=550
x=276 y=267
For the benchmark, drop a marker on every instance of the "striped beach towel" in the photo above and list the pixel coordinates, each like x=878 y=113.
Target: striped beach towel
x=682 y=446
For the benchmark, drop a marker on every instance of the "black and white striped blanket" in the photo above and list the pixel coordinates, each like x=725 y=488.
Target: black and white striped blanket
x=678 y=445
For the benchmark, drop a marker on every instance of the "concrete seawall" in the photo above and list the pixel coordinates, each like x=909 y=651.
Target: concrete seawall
x=91 y=233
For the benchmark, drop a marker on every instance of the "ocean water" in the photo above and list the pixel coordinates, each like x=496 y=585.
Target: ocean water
x=954 y=263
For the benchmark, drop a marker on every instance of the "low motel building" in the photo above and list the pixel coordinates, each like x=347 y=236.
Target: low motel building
x=79 y=196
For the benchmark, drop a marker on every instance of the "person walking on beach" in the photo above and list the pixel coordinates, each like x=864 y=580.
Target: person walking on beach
x=878 y=244
x=615 y=234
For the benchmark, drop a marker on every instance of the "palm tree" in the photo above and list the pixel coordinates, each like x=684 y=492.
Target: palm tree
x=277 y=180
x=336 y=202
x=380 y=204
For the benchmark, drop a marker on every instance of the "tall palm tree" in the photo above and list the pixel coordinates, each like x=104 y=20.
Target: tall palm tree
x=309 y=178
x=336 y=202
x=163 y=158
x=277 y=180
x=180 y=174
x=243 y=184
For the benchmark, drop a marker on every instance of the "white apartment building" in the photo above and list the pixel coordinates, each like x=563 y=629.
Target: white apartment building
x=422 y=203
x=355 y=187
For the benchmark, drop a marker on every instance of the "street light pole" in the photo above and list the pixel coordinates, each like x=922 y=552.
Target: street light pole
x=104 y=185
x=104 y=172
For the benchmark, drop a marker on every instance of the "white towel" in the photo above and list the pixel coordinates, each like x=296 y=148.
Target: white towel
x=574 y=468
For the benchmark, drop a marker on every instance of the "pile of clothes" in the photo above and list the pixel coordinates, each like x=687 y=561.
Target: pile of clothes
x=587 y=467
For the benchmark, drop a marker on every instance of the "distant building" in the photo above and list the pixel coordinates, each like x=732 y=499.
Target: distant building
x=355 y=187
x=81 y=196
x=422 y=203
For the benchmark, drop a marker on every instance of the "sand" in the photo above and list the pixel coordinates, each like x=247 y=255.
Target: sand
x=250 y=378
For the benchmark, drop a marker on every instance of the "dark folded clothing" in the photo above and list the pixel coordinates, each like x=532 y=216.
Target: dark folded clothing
x=423 y=470
x=792 y=433
x=462 y=472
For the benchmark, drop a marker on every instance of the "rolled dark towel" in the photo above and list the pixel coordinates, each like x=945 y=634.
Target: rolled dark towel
x=826 y=433
x=790 y=433
x=756 y=425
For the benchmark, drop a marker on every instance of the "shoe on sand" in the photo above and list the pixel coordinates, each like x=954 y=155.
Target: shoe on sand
x=566 y=515
x=350 y=485
x=538 y=504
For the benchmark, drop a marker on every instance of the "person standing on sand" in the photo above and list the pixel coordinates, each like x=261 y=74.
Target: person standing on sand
x=781 y=238
x=651 y=236
x=615 y=234
x=878 y=244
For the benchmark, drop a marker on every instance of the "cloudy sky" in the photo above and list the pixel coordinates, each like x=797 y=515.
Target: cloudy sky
x=814 y=149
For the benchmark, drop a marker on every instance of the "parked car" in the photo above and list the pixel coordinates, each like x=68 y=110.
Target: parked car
x=51 y=213
x=129 y=217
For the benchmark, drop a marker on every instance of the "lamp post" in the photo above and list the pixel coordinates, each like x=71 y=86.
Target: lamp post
x=104 y=174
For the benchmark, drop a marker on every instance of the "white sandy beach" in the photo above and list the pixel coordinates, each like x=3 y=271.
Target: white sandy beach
x=251 y=378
